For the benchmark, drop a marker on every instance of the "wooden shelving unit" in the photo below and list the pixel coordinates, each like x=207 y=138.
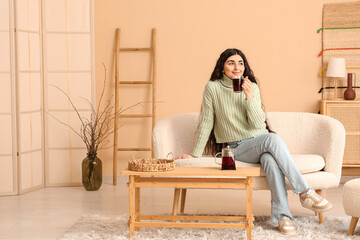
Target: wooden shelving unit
x=348 y=113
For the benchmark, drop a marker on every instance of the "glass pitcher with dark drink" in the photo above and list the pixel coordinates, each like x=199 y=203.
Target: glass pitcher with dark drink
x=237 y=82
x=228 y=162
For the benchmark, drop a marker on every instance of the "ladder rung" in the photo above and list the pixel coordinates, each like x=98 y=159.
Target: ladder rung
x=135 y=82
x=134 y=49
x=134 y=149
x=135 y=115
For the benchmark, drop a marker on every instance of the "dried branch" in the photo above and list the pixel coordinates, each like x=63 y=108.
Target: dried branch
x=65 y=125
x=94 y=130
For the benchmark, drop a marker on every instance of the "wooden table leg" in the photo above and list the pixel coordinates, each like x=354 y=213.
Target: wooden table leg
x=183 y=198
x=176 y=201
x=131 y=206
x=249 y=215
x=137 y=204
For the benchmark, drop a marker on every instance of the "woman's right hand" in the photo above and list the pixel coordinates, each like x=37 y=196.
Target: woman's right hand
x=184 y=156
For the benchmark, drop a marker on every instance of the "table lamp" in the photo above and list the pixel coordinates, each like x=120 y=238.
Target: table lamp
x=336 y=69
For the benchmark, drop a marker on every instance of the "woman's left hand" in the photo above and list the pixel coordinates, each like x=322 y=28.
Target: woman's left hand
x=247 y=88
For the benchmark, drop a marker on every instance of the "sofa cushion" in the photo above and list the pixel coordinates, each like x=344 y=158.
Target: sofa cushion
x=306 y=163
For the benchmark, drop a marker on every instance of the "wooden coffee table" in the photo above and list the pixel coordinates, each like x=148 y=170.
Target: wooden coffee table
x=191 y=177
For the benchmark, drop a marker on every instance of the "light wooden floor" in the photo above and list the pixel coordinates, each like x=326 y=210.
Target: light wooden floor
x=47 y=213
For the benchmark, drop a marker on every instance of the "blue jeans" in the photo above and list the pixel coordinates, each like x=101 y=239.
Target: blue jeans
x=270 y=150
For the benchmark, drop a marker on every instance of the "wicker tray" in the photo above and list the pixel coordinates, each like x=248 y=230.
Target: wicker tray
x=151 y=165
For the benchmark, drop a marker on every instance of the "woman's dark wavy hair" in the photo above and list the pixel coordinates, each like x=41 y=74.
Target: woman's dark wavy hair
x=212 y=147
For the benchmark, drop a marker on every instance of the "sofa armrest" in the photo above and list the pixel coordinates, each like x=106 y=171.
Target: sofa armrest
x=176 y=134
x=309 y=133
x=326 y=137
x=334 y=153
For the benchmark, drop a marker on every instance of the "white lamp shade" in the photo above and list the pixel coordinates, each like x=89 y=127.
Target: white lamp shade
x=336 y=68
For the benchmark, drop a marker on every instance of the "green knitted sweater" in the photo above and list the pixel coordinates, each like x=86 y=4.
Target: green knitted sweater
x=232 y=116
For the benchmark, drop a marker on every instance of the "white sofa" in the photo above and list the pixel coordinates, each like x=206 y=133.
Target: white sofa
x=316 y=143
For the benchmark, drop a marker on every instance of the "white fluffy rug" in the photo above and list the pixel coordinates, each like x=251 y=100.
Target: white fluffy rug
x=114 y=228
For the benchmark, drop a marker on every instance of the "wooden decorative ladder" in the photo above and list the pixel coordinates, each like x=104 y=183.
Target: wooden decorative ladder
x=118 y=83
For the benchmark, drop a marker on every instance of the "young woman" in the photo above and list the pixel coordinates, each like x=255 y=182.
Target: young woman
x=238 y=120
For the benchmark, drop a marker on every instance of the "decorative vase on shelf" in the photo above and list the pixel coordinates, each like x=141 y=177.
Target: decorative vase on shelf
x=349 y=93
x=91 y=168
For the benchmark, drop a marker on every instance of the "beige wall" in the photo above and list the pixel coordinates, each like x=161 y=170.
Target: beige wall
x=278 y=37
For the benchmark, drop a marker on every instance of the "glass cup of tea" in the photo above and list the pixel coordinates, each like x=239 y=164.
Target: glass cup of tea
x=237 y=82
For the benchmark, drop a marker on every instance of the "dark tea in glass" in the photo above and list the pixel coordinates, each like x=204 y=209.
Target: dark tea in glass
x=237 y=82
x=228 y=163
